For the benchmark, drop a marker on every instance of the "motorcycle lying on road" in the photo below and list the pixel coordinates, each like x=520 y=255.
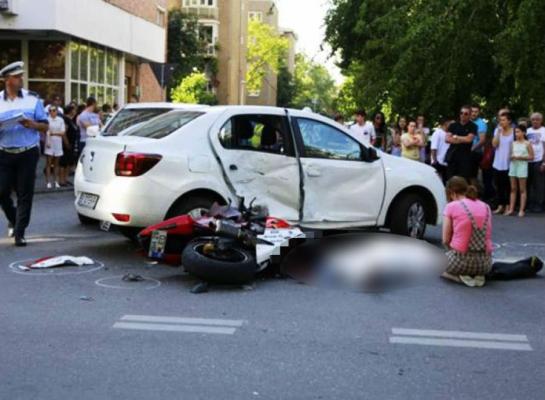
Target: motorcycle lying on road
x=225 y=245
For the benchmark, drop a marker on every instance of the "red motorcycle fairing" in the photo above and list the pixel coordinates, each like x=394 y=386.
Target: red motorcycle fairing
x=182 y=225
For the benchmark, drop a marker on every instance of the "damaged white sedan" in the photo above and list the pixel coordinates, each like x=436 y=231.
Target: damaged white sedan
x=305 y=168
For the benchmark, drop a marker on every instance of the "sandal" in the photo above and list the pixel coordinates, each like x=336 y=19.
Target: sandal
x=498 y=210
x=507 y=213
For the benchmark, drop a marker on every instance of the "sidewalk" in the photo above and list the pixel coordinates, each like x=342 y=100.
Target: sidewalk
x=40 y=186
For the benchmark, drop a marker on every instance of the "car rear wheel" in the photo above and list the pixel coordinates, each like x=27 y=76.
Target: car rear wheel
x=193 y=206
x=408 y=216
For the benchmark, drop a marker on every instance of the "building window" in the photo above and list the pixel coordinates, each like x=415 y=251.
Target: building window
x=255 y=15
x=160 y=16
x=199 y=3
x=46 y=66
x=94 y=72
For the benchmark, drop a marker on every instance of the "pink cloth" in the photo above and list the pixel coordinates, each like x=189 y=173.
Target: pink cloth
x=461 y=224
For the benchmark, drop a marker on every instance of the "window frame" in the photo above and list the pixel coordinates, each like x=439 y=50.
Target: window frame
x=288 y=142
x=364 y=151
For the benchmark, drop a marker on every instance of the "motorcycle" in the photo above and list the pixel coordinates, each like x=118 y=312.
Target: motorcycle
x=225 y=245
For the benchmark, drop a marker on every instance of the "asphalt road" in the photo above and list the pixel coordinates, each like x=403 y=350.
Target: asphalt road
x=86 y=334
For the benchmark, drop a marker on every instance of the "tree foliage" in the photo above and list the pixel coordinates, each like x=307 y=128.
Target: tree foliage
x=314 y=86
x=193 y=89
x=432 y=56
x=286 y=86
x=265 y=48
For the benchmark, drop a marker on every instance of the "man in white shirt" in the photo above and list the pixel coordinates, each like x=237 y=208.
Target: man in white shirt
x=439 y=147
x=362 y=130
x=57 y=102
x=536 y=168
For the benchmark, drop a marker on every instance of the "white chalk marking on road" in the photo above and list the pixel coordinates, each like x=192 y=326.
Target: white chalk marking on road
x=461 y=343
x=460 y=334
x=181 y=320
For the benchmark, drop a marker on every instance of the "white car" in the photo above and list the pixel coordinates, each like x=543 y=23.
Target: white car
x=306 y=168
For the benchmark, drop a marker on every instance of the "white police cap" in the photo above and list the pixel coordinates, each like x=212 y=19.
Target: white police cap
x=15 y=68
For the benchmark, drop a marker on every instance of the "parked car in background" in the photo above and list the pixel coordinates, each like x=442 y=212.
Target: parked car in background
x=306 y=168
x=136 y=113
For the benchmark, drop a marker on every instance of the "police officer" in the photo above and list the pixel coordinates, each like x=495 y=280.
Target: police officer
x=22 y=118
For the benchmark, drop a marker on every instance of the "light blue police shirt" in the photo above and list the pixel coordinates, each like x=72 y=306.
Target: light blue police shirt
x=32 y=108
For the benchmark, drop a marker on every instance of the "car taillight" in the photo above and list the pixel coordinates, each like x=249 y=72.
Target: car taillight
x=135 y=164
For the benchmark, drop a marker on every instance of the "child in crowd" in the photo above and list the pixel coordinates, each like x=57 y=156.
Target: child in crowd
x=53 y=146
x=521 y=153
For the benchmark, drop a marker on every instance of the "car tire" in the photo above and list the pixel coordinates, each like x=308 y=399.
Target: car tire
x=408 y=216
x=84 y=220
x=208 y=269
x=191 y=204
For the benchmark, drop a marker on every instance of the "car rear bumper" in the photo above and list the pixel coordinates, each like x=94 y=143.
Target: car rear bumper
x=141 y=199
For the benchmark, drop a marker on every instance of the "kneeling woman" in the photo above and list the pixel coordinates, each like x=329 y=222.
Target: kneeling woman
x=467 y=234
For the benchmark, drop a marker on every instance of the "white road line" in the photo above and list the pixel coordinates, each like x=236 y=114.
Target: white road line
x=461 y=343
x=460 y=334
x=174 y=328
x=180 y=320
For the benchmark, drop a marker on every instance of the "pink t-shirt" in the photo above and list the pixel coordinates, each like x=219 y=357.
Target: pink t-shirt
x=461 y=224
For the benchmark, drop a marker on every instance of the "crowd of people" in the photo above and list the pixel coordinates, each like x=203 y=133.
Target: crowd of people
x=67 y=135
x=503 y=158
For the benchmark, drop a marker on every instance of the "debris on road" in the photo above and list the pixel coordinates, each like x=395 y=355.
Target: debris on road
x=132 y=278
x=60 y=261
x=86 y=298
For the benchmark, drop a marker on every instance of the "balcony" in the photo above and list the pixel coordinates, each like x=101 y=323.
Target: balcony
x=202 y=12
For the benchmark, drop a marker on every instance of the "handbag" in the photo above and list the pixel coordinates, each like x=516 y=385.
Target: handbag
x=488 y=157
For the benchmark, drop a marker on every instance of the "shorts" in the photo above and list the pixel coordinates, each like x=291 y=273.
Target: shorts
x=55 y=147
x=518 y=169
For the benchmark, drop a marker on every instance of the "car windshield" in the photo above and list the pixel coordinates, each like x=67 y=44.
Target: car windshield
x=164 y=125
x=128 y=117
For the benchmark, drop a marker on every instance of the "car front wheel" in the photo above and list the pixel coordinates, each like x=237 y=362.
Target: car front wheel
x=408 y=217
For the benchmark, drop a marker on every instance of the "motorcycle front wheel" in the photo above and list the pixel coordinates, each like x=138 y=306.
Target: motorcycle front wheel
x=233 y=266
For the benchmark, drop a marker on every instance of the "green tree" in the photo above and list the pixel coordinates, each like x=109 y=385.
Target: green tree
x=345 y=102
x=265 y=48
x=286 y=86
x=432 y=56
x=314 y=86
x=186 y=48
x=193 y=89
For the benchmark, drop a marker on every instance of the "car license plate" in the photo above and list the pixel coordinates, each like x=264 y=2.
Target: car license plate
x=158 y=244
x=88 y=200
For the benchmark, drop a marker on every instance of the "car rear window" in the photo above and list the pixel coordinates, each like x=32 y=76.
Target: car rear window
x=129 y=117
x=164 y=125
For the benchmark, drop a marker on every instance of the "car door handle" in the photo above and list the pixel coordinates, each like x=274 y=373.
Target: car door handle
x=313 y=171
x=233 y=167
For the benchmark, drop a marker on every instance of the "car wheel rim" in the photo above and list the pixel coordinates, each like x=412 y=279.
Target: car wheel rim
x=197 y=212
x=416 y=220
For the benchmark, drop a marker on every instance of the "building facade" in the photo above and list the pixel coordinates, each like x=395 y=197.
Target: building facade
x=225 y=25
x=76 y=49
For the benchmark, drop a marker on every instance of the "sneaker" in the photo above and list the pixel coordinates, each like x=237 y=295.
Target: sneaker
x=11 y=231
x=57 y=186
x=468 y=280
x=20 y=241
x=49 y=185
x=480 y=280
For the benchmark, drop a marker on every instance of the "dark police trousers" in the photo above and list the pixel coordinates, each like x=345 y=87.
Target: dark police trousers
x=18 y=173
